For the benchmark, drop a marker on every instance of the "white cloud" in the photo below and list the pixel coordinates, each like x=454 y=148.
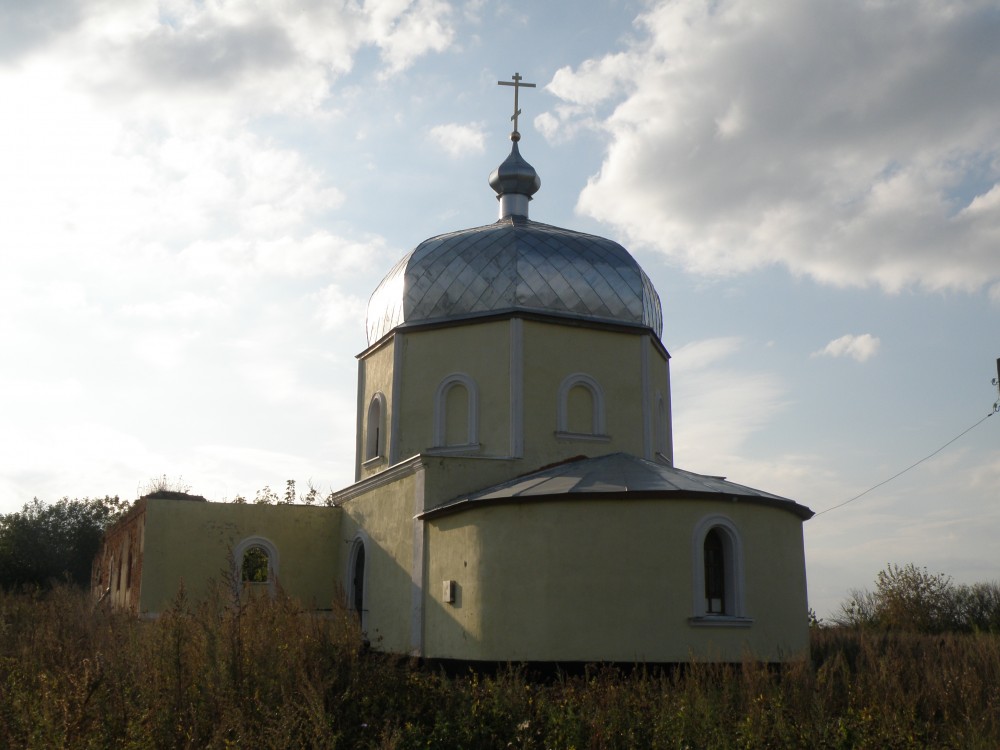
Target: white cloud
x=164 y=349
x=717 y=408
x=564 y=122
x=905 y=521
x=337 y=308
x=205 y=66
x=93 y=457
x=860 y=348
x=409 y=29
x=459 y=140
x=731 y=123
x=821 y=137
x=702 y=354
x=183 y=306
x=170 y=243
x=596 y=80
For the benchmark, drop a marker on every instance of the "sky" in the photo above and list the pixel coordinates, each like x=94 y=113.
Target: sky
x=197 y=199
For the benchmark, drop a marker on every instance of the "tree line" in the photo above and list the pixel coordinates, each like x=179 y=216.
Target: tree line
x=45 y=543
x=909 y=598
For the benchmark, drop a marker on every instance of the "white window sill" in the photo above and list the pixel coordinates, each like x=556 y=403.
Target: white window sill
x=372 y=462
x=453 y=450
x=582 y=436
x=720 y=621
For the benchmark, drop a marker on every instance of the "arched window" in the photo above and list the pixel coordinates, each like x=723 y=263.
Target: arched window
x=456 y=413
x=357 y=577
x=717 y=567
x=255 y=566
x=375 y=428
x=256 y=562
x=580 y=408
x=715 y=573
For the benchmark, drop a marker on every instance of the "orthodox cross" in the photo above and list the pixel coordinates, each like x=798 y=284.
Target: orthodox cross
x=516 y=78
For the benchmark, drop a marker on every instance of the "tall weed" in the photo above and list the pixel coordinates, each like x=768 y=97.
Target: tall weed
x=255 y=672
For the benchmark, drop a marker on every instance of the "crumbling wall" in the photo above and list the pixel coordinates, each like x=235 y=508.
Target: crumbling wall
x=116 y=576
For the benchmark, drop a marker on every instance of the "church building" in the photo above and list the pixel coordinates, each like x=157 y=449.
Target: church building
x=515 y=496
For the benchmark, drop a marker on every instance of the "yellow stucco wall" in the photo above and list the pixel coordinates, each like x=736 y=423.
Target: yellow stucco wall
x=383 y=516
x=375 y=375
x=191 y=541
x=549 y=352
x=454 y=630
x=607 y=580
x=480 y=351
x=553 y=352
x=450 y=477
x=659 y=386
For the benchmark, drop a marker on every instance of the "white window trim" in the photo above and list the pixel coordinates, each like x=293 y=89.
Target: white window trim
x=660 y=425
x=661 y=430
x=562 y=408
x=453 y=450
x=441 y=416
x=272 y=561
x=516 y=447
x=362 y=540
x=582 y=436
x=648 y=418
x=735 y=581
x=371 y=456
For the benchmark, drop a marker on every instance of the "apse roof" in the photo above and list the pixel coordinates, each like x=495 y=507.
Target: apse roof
x=621 y=475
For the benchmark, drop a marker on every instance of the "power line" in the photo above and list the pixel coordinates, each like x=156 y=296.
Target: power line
x=996 y=407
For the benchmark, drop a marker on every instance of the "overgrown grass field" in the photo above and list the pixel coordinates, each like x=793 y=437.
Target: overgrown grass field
x=263 y=675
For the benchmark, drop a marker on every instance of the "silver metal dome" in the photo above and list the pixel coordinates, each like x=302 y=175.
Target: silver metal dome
x=514 y=265
x=514 y=181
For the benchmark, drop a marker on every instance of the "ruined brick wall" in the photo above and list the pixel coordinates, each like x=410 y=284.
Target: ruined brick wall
x=116 y=575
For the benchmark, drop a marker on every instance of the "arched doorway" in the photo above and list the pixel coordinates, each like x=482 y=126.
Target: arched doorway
x=356 y=599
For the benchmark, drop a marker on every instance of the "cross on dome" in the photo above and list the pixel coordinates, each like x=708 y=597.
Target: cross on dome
x=516 y=78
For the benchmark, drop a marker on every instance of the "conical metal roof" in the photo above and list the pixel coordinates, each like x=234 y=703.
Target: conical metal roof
x=616 y=475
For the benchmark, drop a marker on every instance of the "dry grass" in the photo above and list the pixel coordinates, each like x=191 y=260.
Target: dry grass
x=262 y=674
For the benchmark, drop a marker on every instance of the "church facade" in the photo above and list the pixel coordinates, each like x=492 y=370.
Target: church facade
x=515 y=497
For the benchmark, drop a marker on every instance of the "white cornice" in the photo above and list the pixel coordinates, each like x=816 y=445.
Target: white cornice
x=392 y=474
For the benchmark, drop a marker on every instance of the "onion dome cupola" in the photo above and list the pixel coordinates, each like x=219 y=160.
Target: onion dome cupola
x=514 y=265
x=514 y=181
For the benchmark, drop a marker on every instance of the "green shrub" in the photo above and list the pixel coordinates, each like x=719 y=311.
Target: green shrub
x=44 y=543
x=908 y=598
